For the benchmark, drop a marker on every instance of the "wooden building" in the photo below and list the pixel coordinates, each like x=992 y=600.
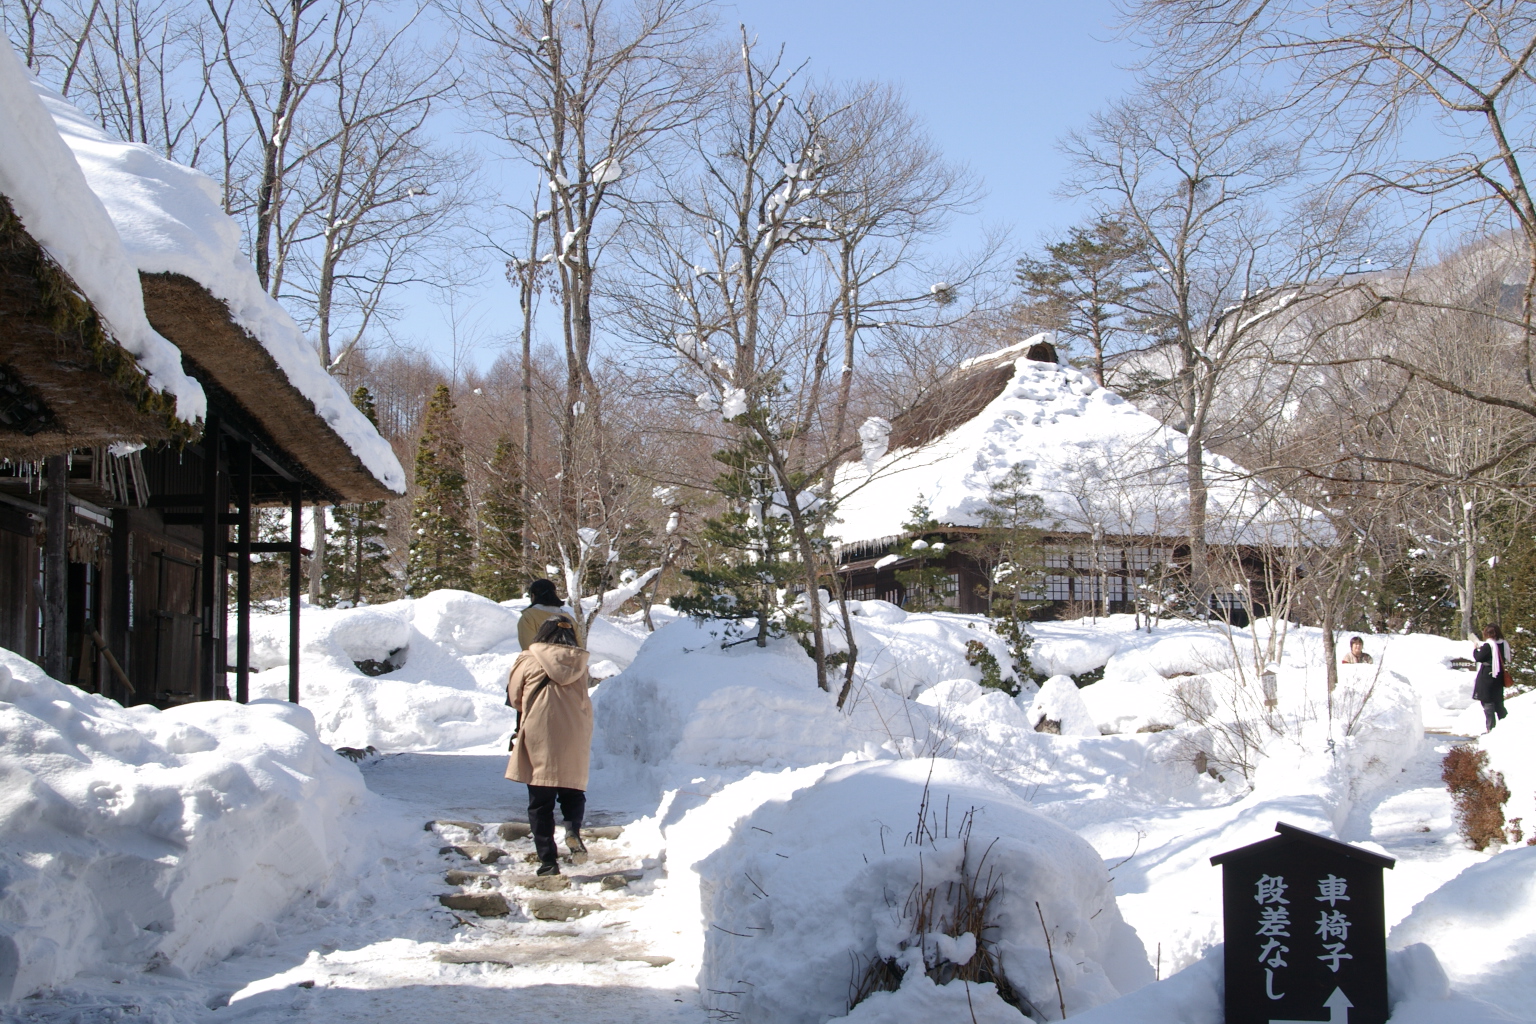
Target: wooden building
x=126 y=534
x=1113 y=537
x=153 y=397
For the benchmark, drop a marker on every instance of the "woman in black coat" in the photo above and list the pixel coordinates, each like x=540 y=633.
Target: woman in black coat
x=1492 y=659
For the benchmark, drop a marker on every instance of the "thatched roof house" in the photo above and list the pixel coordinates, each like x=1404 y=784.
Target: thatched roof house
x=1104 y=469
x=172 y=397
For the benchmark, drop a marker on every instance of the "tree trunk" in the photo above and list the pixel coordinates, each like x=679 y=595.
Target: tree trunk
x=317 y=560
x=1199 y=553
x=1468 y=587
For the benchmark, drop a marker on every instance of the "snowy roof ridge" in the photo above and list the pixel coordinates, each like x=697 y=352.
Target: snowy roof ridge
x=1095 y=459
x=170 y=221
x=1002 y=353
x=50 y=193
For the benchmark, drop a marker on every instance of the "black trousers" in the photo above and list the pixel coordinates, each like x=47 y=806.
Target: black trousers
x=1493 y=710
x=541 y=808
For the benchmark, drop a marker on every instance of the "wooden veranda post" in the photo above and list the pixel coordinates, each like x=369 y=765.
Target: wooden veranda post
x=56 y=568
x=295 y=559
x=212 y=614
x=243 y=571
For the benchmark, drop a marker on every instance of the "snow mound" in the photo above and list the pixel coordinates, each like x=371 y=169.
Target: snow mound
x=464 y=622
x=40 y=177
x=1060 y=702
x=919 y=999
x=170 y=220
x=1093 y=457
x=792 y=897
x=686 y=699
x=1509 y=748
x=154 y=838
x=1482 y=926
x=442 y=660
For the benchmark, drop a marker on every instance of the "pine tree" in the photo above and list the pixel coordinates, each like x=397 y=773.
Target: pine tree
x=442 y=550
x=1085 y=284
x=357 y=559
x=751 y=545
x=925 y=584
x=499 y=568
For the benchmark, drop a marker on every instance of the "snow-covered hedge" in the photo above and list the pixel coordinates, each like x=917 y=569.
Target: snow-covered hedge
x=150 y=838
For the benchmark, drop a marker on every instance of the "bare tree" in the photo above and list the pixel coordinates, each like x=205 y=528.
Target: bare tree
x=888 y=191
x=1202 y=176
x=583 y=90
x=1363 y=74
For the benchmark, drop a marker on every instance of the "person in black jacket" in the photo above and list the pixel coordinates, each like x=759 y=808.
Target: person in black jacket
x=1492 y=659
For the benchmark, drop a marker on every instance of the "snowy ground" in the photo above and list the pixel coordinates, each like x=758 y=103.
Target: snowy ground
x=760 y=828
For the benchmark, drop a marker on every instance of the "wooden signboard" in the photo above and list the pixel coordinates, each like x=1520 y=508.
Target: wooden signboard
x=1306 y=937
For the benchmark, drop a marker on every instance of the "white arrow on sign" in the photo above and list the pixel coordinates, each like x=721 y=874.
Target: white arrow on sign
x=1337 y=1006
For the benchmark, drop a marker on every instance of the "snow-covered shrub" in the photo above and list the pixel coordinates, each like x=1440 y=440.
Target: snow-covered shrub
x=143 y=837
x=819 y=869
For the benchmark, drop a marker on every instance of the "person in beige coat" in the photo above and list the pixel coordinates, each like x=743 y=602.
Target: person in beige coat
x=553 y=745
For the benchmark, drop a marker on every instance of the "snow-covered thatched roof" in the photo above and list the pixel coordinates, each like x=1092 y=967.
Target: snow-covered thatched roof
x=1095 y=459
x=75 y=351
x=119 y=217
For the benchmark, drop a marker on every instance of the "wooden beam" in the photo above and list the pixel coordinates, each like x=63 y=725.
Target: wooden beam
x=197 y=518
x=119 y=600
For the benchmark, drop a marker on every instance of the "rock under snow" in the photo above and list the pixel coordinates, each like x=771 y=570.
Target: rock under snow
x=1058 y=708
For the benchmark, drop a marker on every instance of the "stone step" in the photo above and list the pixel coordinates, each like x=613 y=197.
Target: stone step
x=477 y=851
x=512 y=831
x=486 y=904
x=548 y=883
x=562 y=908
x=472 y=827
x=458 y=876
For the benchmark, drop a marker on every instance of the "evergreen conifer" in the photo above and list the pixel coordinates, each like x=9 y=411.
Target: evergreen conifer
x=441 y=554
x=927 y=583
x=1009 y=549
x=751 y=546
x=499 y=568
x=357 y=557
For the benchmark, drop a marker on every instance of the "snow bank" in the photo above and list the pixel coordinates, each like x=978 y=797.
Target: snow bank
x=797 y=872
x=686 y=699
x=1092 y=456
x=40 y=177
x=444 y=659
x=1509 y=748
x=154 y=838
x=170 y=220
x=1482 y=926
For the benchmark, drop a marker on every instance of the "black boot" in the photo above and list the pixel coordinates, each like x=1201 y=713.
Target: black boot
x=549 y=863
x=573 y=842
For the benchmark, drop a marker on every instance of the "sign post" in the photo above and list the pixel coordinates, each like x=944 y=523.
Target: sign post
x=1306 y=936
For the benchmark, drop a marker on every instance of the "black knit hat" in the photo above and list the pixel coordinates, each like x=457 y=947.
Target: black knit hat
x=543 y=592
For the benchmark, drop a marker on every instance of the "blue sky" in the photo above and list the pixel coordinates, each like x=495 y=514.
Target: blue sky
x=997 y=82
